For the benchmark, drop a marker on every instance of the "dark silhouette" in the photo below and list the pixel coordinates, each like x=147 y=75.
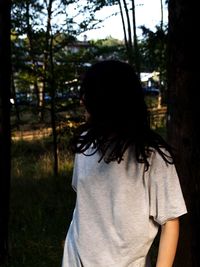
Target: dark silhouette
x=183 y=123
x=5 y=74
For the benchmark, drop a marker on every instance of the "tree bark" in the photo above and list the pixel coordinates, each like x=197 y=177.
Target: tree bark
x=5 y=73
x=51 y=80
x=183 y=123
x=123 y=25
x=40 y=104
x=135 y=41
x=53 y=115
x=129 y=34
x=161 y=12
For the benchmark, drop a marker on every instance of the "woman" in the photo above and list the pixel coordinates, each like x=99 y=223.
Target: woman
x=124 y=176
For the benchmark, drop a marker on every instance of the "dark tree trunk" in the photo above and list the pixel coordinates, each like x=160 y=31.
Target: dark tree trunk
x=135 y=42
x=53 y=115
x=161 y=11
x=162 y=46
x=123 y=25
x=184 y=119
x=51 y=80
x=129 y=34
x=40 y=104
x=5 y=72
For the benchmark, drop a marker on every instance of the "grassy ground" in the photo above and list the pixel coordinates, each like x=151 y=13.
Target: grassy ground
x=41 y=206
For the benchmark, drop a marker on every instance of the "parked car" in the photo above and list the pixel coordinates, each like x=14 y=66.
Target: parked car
x=47 y=97
x=22 y=99
x=151 y=90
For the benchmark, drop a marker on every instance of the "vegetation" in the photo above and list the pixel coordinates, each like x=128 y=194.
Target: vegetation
x=41 y=205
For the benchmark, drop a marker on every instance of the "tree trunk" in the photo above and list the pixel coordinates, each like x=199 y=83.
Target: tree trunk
x=135 y=42
x=53 y=115
x=51 y=80
x=129 y=34
x=183 y=124
x=40 y=104
x=161 y=12
x=5 y=72
x=123 y=25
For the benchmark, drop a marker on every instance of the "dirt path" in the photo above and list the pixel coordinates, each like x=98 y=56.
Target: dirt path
x=31 y=134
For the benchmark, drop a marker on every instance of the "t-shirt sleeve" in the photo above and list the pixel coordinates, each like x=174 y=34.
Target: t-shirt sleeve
x=165 y=194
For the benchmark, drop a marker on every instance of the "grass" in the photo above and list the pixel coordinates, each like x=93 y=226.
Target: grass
x=41 y=206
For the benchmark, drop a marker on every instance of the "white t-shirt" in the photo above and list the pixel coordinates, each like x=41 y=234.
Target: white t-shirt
x=118 y=210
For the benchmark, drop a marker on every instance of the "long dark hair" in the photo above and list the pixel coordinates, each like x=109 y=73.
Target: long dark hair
x=118 y=116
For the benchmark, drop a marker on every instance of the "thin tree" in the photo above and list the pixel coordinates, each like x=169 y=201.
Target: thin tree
x=5 y=73
x=49 y=66
x=162 y=44
x=161 y=12
x=183 y=124
x=30 y=38
x=123 y=25
x=135 y=40
x=129 y=33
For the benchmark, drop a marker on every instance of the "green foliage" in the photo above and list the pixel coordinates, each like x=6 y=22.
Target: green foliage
x=108 y=42
x=151 y=101
x=35 y=73
x=153 y=49
x=108 y=48
x=99 y=4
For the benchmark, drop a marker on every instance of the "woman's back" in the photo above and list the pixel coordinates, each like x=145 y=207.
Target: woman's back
x=113 y=221
x=124 y=176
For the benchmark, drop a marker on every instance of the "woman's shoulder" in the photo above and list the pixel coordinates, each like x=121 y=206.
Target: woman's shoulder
x=160 y=155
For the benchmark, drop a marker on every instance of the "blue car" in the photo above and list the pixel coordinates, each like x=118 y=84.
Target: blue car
x=151 y=90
